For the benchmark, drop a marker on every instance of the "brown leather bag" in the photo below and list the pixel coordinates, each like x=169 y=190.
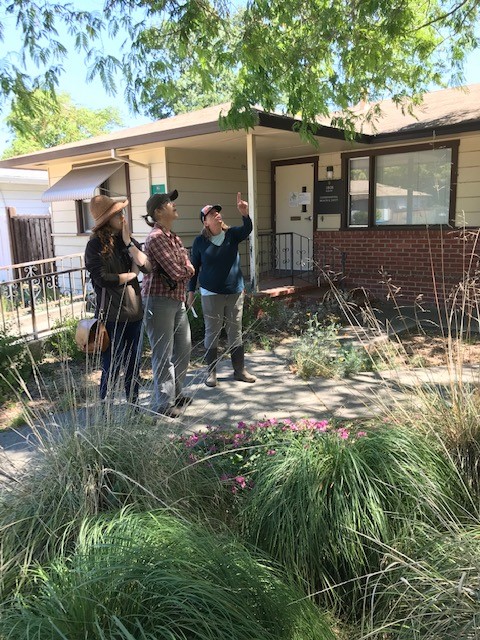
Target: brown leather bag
x=91 y=336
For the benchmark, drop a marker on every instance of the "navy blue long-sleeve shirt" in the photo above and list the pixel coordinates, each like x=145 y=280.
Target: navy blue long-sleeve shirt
x=218 y=267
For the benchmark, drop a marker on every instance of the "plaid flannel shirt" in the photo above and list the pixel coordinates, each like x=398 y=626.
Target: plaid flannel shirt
x=166 y=249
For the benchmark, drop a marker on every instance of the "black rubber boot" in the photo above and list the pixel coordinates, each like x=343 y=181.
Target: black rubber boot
x=211 y=357
x=238 y=363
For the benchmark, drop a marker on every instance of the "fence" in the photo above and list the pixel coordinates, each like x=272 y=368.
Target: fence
x=31 y=237
x=42 y=293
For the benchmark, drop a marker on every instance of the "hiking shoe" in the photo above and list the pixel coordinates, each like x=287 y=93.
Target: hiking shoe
x=170 y=412
x=183 y=401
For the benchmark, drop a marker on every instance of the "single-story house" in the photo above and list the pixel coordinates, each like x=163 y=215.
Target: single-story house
x=394 y=201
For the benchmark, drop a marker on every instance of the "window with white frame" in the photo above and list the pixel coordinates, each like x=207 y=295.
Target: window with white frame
x=404 y=186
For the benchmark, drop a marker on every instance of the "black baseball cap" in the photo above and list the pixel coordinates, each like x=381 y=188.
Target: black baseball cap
x=159 y=199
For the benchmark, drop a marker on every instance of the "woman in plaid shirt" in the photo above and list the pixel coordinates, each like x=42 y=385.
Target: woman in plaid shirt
x=163 y=292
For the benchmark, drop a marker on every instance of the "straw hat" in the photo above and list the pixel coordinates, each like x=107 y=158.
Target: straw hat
x=103 y=208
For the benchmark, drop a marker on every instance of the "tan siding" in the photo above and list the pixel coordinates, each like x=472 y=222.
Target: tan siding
x=468 y=186
x=64 y=219
x=140 y=187
x=214 y=178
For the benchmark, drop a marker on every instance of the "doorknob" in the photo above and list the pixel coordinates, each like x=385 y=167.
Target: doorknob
x=308 y=218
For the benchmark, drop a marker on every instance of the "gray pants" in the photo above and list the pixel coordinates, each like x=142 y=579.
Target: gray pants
x=215 y=309
x=168 y=331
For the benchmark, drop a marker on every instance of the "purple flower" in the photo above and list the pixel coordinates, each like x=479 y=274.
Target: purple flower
x=271 y=452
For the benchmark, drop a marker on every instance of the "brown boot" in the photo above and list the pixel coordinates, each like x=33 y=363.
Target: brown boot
x=238 y=363
x=211 y=359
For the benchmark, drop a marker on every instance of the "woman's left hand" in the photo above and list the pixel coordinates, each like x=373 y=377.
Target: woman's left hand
x=242 y=205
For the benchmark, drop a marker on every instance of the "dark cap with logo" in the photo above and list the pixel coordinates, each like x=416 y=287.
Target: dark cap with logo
x=159 y=199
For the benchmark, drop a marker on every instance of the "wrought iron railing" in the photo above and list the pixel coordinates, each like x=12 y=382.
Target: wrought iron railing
x=34 y=296
x=285 y=255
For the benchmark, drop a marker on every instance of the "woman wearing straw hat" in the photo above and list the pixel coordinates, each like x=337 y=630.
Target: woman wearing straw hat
x=217 y=265
x=113 y=259
x=164 y=292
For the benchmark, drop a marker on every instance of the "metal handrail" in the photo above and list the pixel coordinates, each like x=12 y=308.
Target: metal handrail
x=285 y=254
x=30 y=304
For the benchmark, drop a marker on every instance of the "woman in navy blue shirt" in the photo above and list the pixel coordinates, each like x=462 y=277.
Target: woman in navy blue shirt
x=217 y=267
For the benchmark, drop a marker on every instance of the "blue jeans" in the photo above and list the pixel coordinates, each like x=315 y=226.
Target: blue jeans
x=168 y=331
x=124 y=350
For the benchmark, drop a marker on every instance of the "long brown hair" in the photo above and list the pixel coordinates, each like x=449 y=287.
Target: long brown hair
x=104 y=234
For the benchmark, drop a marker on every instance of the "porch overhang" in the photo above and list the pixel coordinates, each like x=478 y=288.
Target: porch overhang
x=80 y=183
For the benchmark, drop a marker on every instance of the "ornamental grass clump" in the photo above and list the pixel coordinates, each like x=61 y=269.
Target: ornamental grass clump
x=117 y=459
x=323 y=500
x=428 y=588
x=153 y=576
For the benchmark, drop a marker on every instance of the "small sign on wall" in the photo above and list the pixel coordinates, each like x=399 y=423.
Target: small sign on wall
x=157 y=188
x=329 y=196
x=298 y=199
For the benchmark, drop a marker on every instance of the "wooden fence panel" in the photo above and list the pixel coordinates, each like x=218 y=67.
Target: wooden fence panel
x=31 y=237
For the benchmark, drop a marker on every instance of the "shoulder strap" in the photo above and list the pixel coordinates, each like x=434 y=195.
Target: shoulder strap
x=101 y=311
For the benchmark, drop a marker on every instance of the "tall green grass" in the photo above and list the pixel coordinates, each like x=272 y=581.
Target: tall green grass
x=117 y=459
x=152 y=576
x=428 y=588
x=325 y=507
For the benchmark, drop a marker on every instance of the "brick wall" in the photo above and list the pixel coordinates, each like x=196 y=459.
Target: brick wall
x=414 y=259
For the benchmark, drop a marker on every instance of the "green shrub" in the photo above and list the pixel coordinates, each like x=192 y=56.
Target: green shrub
x=15 y=361
x=267 y=320
x=152 y=576
x=319 y=352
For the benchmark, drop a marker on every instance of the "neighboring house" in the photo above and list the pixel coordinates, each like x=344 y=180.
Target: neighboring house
x=394 y=199
x=21 y=191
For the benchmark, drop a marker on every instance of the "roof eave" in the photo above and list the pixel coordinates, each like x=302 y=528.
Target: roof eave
x=58 y=153
x=427 y=132
x=286 y=123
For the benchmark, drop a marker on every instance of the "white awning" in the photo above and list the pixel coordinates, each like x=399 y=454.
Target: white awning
x=80 y=184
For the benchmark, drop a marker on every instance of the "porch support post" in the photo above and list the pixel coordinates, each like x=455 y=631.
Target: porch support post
x=252 y=203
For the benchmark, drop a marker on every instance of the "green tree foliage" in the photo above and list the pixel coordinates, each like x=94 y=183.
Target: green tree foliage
x=52 y=120
x=304 y=56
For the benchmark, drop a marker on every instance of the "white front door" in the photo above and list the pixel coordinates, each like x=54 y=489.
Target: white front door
x=294 y=216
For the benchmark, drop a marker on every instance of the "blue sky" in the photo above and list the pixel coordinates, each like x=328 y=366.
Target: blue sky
x=93 y=95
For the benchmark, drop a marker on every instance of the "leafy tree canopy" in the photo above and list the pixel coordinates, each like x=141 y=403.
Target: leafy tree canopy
x=302 y=56
x=53 y=120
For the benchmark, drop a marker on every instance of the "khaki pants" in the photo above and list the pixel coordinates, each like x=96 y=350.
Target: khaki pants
x=220 y=308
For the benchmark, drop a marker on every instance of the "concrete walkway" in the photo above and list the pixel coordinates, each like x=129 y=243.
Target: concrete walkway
x=278 y=393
